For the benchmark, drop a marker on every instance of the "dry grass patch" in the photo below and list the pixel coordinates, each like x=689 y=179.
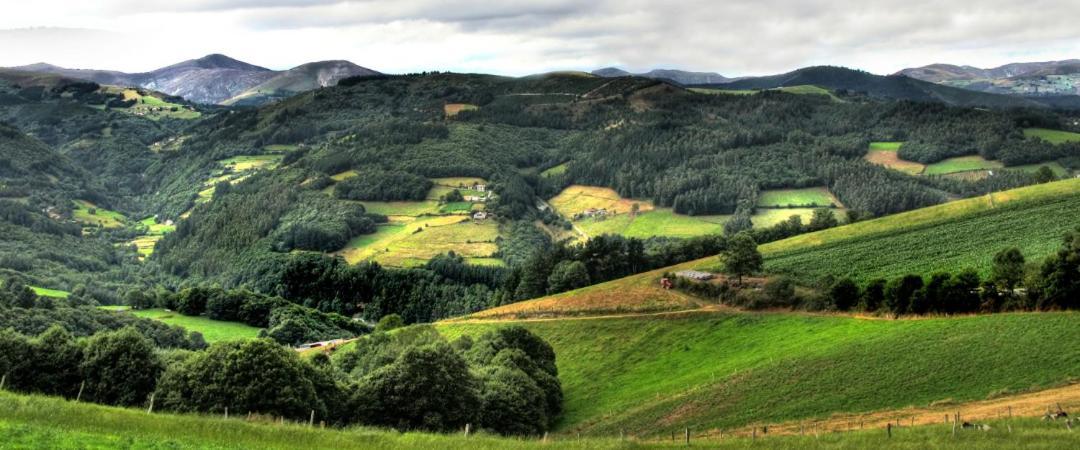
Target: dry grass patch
x=452 y=109
x=889 y=158
x=578 y=198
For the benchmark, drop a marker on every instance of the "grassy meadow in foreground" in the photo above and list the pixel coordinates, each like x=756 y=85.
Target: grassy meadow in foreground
x=652 y=375
x=35 y=422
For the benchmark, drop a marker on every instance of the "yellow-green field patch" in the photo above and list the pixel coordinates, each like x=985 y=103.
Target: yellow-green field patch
x=212 y=330
x=251 y=162
x=961 y=164
x=467 y=238
x=1056 y=167
x=577 y=198
x=1052 y=136
x=345 y=175
x=89 y=213
x=155 y=108
x=657 y=222
x=767 y=217
x=554 y=171
x=412 y=209
x=46 y=292
x=795 y=198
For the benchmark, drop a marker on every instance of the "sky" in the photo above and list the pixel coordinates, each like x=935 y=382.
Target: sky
x=521 y=37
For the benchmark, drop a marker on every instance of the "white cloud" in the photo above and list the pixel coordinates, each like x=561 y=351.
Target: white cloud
x=518 y=37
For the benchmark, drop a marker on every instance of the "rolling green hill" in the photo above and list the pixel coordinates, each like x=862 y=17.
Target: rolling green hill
x=896 y=87
x=948 y=237
x=652 y=375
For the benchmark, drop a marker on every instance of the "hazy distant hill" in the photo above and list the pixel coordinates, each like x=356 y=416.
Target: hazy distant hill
x=893 y=86
x=1048 y=78
x=218 y=78
x=678 y=76
x=299 y=79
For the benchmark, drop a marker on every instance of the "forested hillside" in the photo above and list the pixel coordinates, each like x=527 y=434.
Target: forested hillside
x=255 y=197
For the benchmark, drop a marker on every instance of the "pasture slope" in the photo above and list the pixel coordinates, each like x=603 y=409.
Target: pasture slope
x=45 y=422
x=212 y=330
x=947 y=237
x=636 y=358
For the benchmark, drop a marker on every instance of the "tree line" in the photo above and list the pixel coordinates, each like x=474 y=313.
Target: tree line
x=504 y=381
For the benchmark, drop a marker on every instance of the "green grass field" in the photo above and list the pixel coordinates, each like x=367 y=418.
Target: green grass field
x=45 y=292
x=658 y=222
x=1059 y=170
x=252 y=162
x=402 y=208
x=652 y=375
x=89 y=213
x=554 y=171
x=53 y=423
x=796 y=198
x=961 y=164
x=399 y=244
x=948 y=237
x=212 y=330
x=155 y=228
x=1052 y=136
x=153 y=107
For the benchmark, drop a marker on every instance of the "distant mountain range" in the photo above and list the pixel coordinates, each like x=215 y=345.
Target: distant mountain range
x=1035 y=79
x=678 y=76
x=895 y=86
x=219 y=79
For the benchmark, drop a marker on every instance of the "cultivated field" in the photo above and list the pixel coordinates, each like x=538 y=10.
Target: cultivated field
x=652 y=375
x=88 y=213
x=961 y=164
x=153 y=107
x=797 y=198
x=884 y=154
x=212 y=330
x=154 y=232
x=252 y=162
x=45 y=292
x=948 y=237
x=637 y=294
x=400 y=244
x=576 y=199
x=1052 y=136
x=452 y=109
x=554 y=171
x=657 y=221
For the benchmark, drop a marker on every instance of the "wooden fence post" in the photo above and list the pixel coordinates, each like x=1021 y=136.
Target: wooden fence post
x=311 y=421
x=753 y=435
x=3 y=379
x=150 y=410
x=467 y=429
x=226 y=413
x=1010 y=411
x=545 y=437
x=888 y=429
x=81 y=387
x=687 y=436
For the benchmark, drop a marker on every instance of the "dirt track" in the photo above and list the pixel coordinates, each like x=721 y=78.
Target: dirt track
x=1032 y=404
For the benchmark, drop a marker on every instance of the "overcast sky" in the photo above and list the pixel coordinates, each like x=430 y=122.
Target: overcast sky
x=518 y=37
